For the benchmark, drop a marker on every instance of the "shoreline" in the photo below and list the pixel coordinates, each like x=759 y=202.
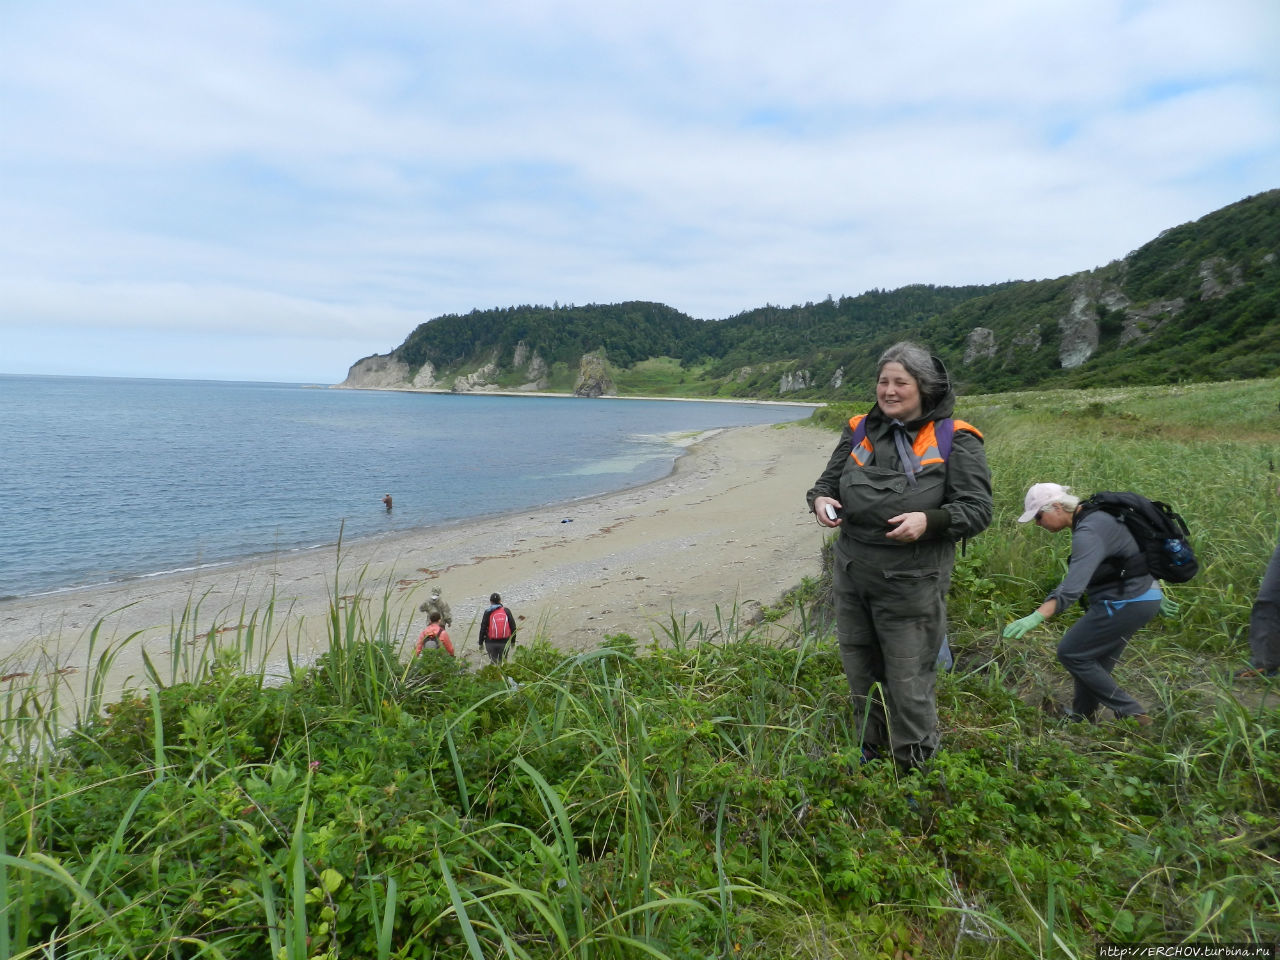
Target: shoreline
x=725 y=529
x=813 y=404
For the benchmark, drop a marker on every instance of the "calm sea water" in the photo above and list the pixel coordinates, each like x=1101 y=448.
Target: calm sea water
x=107 y=479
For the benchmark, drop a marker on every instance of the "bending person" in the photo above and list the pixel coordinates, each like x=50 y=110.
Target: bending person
x=1119 y=605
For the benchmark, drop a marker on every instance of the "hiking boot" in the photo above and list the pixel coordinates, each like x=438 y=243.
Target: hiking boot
x=1072 y=717
x=1250 y=672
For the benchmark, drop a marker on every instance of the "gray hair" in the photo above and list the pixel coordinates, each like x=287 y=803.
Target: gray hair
x=1068 y=501
x=918 y=362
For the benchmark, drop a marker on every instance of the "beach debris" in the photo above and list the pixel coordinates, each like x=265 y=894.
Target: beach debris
x=221 y=630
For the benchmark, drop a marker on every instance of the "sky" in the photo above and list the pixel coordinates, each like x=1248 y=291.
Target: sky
x=273 y=190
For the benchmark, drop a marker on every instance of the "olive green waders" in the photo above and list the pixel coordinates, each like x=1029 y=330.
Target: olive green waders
x=891 y=618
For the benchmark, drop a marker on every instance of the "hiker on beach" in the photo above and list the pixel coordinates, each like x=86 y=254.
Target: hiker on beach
x=905 y=482
x=1119 y=604
x=434 y=604
x=497 y=629
x=434 y=637
x=1264 y=623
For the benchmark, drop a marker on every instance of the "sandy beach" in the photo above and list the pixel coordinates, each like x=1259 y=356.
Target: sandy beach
x=727 y=528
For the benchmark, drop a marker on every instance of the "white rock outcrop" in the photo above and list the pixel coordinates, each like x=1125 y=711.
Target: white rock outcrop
x=1079 y=329
x=794 y=380
x=980 y=344
x=481 y=381
x=1218 y=278
x=425 y=378
x=378 y=372
x=1141 y=322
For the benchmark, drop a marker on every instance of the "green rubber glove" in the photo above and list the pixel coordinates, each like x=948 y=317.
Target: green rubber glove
x=1015 y=630
x=1169 y=607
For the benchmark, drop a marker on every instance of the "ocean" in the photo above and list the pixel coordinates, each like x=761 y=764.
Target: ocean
x=105 y=479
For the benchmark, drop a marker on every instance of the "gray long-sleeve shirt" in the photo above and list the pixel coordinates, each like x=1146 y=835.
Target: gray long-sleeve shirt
x=1095 y=538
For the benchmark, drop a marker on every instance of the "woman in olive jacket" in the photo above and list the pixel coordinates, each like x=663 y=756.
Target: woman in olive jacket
x=900 y=500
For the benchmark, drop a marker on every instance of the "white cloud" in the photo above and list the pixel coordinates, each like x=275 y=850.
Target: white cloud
x=331 y=175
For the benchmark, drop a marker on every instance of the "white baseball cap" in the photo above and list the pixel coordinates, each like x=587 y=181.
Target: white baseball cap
x=1040 y=496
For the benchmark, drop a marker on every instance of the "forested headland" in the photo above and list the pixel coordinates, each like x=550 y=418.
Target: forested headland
x=1200 y=302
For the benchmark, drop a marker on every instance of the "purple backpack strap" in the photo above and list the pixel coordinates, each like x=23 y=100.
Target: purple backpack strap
x=860 y=431
x=943 y=431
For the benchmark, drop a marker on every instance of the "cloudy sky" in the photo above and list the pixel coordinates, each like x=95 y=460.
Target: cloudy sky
x=272 y=190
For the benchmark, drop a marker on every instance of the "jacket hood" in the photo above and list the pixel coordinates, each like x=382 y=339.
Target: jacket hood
x=945 y=404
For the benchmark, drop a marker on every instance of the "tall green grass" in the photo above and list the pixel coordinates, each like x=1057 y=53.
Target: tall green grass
x=695 y=793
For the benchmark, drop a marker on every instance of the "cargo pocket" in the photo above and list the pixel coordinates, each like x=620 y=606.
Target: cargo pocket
x=910 y=577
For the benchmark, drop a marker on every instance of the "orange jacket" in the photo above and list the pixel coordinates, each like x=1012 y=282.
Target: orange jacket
x=434 y=632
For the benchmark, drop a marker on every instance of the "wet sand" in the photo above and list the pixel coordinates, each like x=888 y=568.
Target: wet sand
x=726 y=530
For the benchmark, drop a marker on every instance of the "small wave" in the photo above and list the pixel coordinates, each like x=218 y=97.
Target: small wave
x=628 y=464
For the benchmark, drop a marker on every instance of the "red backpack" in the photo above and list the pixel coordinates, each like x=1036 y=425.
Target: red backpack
x=499 y=624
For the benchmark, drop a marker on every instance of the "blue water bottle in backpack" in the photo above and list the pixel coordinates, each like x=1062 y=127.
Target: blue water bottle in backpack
x=1178 y=554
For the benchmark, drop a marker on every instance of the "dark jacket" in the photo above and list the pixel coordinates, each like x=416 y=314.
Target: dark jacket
x=954 y=496
x=484 y=623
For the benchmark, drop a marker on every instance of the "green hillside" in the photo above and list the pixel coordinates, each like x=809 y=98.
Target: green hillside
x=1200 y=302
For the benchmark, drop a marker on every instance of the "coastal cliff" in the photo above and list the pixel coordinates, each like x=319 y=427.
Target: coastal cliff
x=390 y=372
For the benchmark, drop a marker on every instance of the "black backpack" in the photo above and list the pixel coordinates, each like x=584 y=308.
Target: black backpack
x=1161 y=533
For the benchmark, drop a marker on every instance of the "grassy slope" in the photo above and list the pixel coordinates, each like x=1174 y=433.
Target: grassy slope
x=704 y=799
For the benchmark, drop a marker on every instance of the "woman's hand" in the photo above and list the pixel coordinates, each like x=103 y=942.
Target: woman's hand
x=820 y=505
x=1017 y=629
x=910 y=527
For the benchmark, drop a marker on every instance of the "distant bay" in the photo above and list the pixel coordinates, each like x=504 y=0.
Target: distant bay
x=109 y=479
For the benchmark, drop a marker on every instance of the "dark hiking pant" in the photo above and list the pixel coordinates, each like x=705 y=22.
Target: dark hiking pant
x=1090 y=650
x=1264 y=620
x=891 y=618
x=496 y=649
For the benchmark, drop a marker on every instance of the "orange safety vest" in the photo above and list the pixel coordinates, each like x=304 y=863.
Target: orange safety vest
x=931 y=445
